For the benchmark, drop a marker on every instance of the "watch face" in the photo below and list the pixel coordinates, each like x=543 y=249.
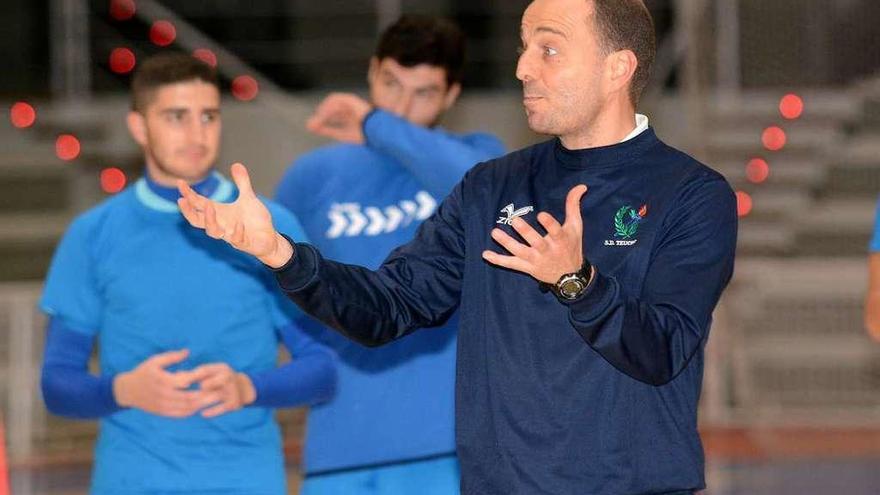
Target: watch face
x=571 y=288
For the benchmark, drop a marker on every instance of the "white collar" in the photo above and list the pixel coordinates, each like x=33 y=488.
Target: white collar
x=641 y=125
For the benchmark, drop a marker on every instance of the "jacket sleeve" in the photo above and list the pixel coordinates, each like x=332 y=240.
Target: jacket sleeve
x=874 y=244
x=308 y=379
x=436 y=158
x=652 y=335
x=417 y=286
x=68 y=387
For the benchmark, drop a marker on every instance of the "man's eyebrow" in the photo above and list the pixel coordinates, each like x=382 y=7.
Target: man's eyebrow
x=546 y=29
x=186 y=110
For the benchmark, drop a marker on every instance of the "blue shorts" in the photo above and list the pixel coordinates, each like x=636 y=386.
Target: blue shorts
x=439 y=476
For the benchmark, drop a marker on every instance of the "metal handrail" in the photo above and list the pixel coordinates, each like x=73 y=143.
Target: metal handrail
x=272 y=96
x=71 y=60
x=189 y=37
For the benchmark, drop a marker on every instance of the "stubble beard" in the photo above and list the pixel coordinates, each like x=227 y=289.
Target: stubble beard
x=167 y=172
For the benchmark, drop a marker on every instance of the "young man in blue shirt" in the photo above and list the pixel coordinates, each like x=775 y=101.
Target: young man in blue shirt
x=188 y=330
x=583 y=315
x=358 y=200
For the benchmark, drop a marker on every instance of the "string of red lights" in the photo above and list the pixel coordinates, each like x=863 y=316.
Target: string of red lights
x=162 y=33
x=774 y=138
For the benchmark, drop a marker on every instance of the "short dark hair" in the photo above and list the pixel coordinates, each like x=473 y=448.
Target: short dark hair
x=627 y=25
x=414 y=40
x=167 y=68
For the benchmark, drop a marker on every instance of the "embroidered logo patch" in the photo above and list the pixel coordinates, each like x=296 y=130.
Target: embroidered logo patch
x=513 y=213
x=626 y=225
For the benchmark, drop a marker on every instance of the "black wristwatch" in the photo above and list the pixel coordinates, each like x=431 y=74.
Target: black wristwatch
x=570 y=286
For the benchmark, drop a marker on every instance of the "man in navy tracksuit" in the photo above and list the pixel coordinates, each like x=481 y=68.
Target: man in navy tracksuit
x=583 y=314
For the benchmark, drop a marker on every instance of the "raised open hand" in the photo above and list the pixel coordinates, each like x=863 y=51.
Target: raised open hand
x=245 y=224
x=545 y=257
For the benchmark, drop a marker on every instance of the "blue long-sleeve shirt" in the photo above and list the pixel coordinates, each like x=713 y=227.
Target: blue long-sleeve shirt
x=874 y=243
x=357 y=203
x=595 y=396
x=131 y=276
x=70 y=389
x=436 y=158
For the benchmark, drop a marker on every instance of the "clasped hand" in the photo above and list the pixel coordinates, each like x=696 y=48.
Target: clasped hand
x=152 y=388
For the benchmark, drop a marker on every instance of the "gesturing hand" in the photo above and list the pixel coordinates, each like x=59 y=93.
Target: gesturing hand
x=223 y=387
x=341 y=117
x=547 y=257
x=150 y=387
x=246 y=223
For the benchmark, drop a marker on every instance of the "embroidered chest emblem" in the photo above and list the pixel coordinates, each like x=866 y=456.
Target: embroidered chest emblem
x=626 y=225
x=512 y=213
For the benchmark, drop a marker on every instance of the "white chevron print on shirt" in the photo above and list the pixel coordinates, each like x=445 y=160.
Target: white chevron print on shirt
x=352 y=219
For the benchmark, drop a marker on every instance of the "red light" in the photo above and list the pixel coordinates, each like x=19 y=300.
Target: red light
x=162 y=33
x=773 y=138
x=791 y=106
x=743 y=203
x=206 y=56
x=122 y=60
x=245 y=88
x=112 y=180
x=122 y=10
x=22 y=115
x=67 y=147
x=757 y=170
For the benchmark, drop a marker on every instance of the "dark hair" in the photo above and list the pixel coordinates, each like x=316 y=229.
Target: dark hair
x=627 y=25
x=167 y=68
x=414 y=40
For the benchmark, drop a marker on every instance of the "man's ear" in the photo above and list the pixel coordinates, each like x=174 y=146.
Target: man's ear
x=620 y=68
x=451 y=96
x=137 y=127
x=373 y=70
